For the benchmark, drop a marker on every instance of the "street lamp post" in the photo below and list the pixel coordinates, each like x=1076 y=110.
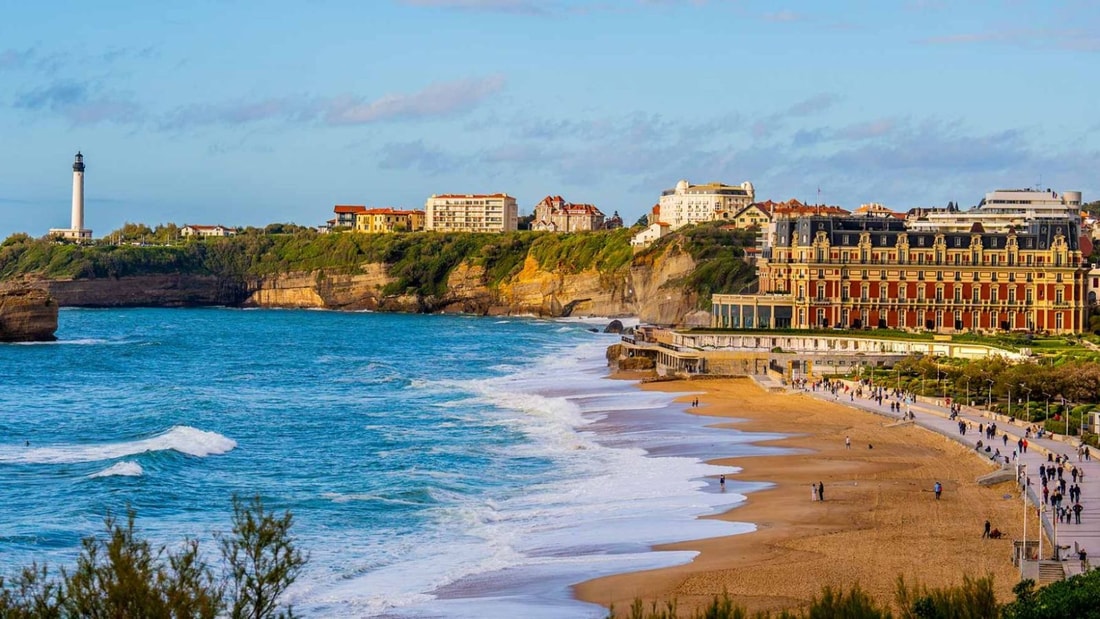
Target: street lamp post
x=1046 y=415
x=940 y=374
x=1027 y=406
x=1023 y=495
x=989 y=394
x=967 y=391
x=1010 y=401
x=1065 y=411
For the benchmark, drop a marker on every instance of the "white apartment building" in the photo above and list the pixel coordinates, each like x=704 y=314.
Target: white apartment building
x=688 y=204
x=471 y=213
x=1000 y=210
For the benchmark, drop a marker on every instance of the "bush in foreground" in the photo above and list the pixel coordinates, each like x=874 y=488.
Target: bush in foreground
x=123 y=576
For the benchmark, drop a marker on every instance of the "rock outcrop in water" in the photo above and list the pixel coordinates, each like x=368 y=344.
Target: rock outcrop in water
x=27 y=315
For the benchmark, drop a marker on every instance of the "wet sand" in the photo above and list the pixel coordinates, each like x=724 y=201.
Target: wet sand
x=879 y=520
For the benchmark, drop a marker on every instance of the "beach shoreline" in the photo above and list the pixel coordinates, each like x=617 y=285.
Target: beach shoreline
x=879 y=521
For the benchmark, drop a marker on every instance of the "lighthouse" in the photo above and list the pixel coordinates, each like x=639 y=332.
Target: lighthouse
x=78 y=192
x=76 y=231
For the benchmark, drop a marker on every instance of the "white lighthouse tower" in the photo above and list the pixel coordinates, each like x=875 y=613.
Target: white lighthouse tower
x=76 y=231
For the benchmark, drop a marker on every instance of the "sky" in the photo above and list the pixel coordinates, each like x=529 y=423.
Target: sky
x=246 y=113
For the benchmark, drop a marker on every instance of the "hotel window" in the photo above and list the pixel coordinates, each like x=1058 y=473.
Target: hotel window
x=920 y=293
x=976 y=293
x=901 y=292
x=882 y=296
x=1012 y=294
x=939 y=319
x=1027 y=295
x=821 y=291
x=958 y=294
x=939 y=294
x=993 y=294
x=1059 y=295
x=864 y=292
x=1058 y=321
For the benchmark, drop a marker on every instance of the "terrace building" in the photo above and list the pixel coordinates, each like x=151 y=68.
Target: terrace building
x=471 y=213
x=386 y=220
x=1000 y=210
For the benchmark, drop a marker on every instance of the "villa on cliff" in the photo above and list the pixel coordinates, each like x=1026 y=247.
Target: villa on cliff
x=554 y=214
x=190 y=230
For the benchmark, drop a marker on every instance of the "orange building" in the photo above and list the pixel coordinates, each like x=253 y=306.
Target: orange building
x=871 y=272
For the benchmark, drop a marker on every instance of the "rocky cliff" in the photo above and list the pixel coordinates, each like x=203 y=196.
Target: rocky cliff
x=648 y=291
x=27 y=315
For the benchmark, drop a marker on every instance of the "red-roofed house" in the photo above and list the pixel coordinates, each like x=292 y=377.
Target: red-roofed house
x=345 y=214
x=206 y=231
x=554 y=214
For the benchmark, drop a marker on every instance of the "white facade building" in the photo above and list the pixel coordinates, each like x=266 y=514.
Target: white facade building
x=471 y=213
x=76 y=231
x=1000 y=210
x=206 y=231
x=688 y=204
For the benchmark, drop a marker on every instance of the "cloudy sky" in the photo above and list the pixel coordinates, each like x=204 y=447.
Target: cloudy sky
x=244 y=113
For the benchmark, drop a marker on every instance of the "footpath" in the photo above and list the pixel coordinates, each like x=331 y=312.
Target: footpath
x=934 y=415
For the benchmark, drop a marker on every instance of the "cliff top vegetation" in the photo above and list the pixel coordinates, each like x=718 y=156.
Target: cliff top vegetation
x=419 y=261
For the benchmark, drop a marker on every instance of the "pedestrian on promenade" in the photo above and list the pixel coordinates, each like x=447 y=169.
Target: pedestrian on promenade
x=1073 y=474
x=820 y=491
x=1004 y=438
x=1023 y=445
x=847 y=442
x=1077 y=509
x=937 y=488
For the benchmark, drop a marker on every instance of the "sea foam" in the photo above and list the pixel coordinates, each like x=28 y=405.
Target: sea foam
x=125 y=468
x=182 y=439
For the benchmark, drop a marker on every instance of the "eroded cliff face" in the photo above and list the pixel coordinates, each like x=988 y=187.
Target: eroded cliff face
x=27 y=315
x=647 y=291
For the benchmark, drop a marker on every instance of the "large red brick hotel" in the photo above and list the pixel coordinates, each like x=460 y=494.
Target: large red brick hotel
x=872 y=272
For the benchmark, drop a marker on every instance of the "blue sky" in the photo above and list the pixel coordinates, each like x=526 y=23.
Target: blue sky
x=247 y=113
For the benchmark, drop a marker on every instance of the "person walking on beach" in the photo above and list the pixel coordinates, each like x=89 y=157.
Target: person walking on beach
x=847 y=442
x=813 y=492
x=985 y=533
x=722 y=482
x=820 y=491
x=937 y=488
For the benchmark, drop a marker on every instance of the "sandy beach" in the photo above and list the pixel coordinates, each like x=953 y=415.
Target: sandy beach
x=879 y=520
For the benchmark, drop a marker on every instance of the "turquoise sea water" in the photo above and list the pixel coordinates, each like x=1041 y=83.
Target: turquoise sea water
x=437 y=466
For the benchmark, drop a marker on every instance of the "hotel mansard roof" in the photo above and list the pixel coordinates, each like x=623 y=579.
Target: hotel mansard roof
x=885 y=232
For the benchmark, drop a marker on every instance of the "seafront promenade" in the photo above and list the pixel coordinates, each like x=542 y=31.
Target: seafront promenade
x=934 y=416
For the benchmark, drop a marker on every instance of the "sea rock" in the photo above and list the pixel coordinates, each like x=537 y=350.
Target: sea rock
x=615 y=326
x=27 y=315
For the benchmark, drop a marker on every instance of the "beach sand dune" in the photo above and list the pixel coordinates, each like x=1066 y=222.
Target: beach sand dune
x=879 y=520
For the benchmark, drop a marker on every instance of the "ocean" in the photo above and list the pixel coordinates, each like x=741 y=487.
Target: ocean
x=436 y=466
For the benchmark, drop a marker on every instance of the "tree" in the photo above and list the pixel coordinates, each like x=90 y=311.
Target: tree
x=262 y=560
